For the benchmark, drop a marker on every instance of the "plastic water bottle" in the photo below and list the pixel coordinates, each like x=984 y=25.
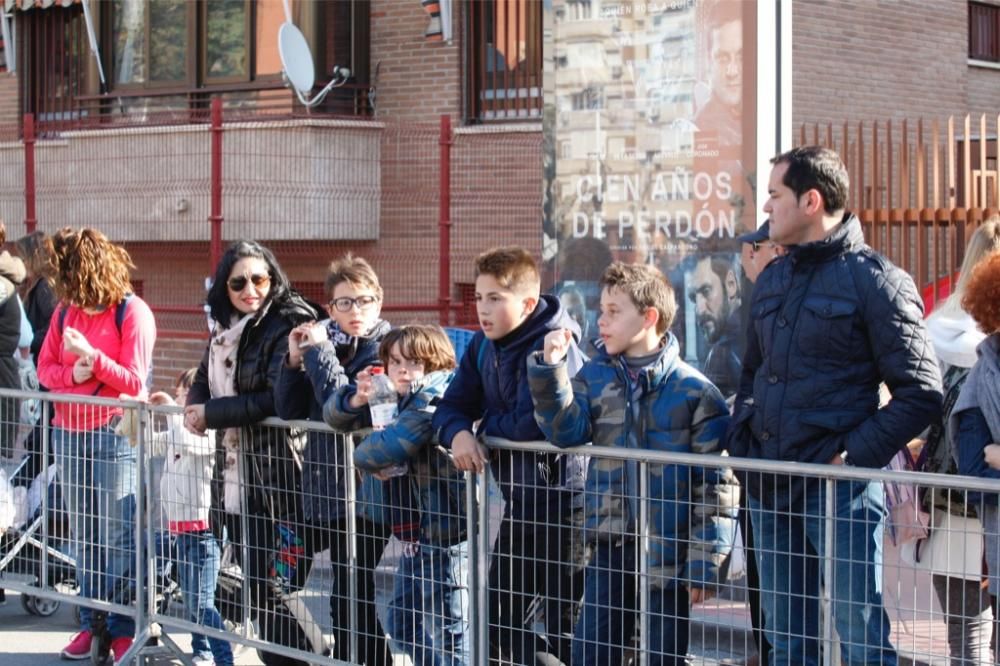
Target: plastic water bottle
x=383 y=400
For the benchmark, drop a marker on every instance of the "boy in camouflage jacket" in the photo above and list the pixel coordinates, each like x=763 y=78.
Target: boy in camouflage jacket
x=637 y=393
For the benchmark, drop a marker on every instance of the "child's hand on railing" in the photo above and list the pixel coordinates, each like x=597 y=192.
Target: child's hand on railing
x=161 y=398
x=469 y=455
x=557 y=344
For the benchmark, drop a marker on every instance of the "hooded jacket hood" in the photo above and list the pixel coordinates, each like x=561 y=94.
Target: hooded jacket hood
x=955 y=337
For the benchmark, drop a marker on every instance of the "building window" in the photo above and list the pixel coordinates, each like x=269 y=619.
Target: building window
x=984 y=32
x=163 y=60
x=505 y=60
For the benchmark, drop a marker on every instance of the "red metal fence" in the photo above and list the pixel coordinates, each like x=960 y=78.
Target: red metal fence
x=418 y=200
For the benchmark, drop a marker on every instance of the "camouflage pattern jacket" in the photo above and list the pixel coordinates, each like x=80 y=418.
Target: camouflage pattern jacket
x=431 y=496
x=671 y=407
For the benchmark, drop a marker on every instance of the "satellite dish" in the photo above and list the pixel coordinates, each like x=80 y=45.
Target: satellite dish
x=296 y=58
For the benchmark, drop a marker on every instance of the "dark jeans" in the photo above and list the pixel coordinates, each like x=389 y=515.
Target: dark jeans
x=790 y=551
x=968 y=617
x=198 y=571
x=429 y=612
x=530 y=562
x=373 y=649
x=753 y=580
x=610 y=612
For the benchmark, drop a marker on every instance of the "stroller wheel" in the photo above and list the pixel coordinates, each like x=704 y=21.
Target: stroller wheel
x=45 y=607
x=28 y=604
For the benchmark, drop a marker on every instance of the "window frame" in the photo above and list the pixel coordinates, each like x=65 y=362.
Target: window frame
x=975 y=10
x=521 y=92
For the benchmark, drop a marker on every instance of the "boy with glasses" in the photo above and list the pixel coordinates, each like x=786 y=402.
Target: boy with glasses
x=322 y=357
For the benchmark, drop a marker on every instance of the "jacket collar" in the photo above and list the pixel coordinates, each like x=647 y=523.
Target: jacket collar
x=845 y=237
x=656 y=372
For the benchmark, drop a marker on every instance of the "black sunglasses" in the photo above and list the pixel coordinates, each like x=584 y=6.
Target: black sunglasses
x=239 y=283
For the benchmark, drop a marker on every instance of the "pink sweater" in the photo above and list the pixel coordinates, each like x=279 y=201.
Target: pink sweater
x=121 y=363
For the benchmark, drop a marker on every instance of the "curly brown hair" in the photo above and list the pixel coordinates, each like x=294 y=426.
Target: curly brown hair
x=86 y=269
x=982 y=295
x=427 y=344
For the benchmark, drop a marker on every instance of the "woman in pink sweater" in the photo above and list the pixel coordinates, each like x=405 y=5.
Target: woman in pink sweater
x=99 y=343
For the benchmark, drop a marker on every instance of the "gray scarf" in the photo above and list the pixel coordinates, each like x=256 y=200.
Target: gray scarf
x=981 y=389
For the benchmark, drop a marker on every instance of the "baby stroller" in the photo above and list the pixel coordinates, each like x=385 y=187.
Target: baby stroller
x=21 y=529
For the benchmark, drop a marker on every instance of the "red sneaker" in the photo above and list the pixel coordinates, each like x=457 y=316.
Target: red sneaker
x=119 y=646
x=79 y=646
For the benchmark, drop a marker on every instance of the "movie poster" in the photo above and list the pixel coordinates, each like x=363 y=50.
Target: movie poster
x=650 y=156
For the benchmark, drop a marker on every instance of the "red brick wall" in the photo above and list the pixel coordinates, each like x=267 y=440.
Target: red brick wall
x=861 y=59
x=417 y=78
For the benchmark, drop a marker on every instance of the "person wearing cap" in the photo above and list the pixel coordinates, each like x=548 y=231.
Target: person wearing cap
x=758 y=250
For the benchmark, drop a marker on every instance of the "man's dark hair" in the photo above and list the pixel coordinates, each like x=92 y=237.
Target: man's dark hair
x=816 y=168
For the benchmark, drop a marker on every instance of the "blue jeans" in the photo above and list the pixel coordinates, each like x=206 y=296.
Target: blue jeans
x=610 y=611
x=198 y=569
x=428 y=615
x=97 y=474
x=790 y=548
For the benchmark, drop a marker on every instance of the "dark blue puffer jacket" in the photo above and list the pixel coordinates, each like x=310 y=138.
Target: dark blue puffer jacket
x=301 y=394
x=492 y=384
x=828 y=323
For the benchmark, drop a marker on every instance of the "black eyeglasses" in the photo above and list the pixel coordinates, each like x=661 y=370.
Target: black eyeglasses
x=239 y=283
x=344 y=304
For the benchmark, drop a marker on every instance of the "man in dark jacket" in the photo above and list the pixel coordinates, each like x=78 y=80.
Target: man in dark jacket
x=829 y=323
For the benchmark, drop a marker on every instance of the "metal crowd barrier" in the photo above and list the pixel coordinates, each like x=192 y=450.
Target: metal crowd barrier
x=309 y=590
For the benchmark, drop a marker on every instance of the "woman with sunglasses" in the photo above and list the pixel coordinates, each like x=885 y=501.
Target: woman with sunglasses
x=99 y=343
x=253 y=309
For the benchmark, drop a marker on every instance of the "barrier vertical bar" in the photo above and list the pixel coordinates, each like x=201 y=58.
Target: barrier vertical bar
x=444 y=221
x=30 y=219
x=827 y=592
x=643 y=563
x=483 y=630
x=352 y=550
x=143 y=532
x=215 y=215
x=44 y=420
x=474 y=581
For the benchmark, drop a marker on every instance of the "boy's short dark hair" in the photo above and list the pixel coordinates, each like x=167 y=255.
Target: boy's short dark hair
x=816 y=168
x=351 y=269
x=512 y=266
x=186 y=378
x=646 y=286
x=427 y=344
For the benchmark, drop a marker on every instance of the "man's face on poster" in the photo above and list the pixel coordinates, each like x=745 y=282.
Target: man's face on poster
x=727 y=62
x=713 y=298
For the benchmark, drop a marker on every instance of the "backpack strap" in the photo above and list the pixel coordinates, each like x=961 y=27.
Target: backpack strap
x=119 y=314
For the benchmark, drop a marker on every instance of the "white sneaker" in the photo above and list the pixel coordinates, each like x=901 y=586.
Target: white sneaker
x=203 y=661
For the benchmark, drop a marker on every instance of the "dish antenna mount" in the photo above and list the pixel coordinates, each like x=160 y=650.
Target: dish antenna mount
x=297 y=64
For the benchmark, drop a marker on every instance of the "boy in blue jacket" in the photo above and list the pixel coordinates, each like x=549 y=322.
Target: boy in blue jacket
x=637 y=393
x=490 y=386
x=322 y=357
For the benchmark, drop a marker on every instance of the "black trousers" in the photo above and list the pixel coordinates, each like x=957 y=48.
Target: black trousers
x=531 y=565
